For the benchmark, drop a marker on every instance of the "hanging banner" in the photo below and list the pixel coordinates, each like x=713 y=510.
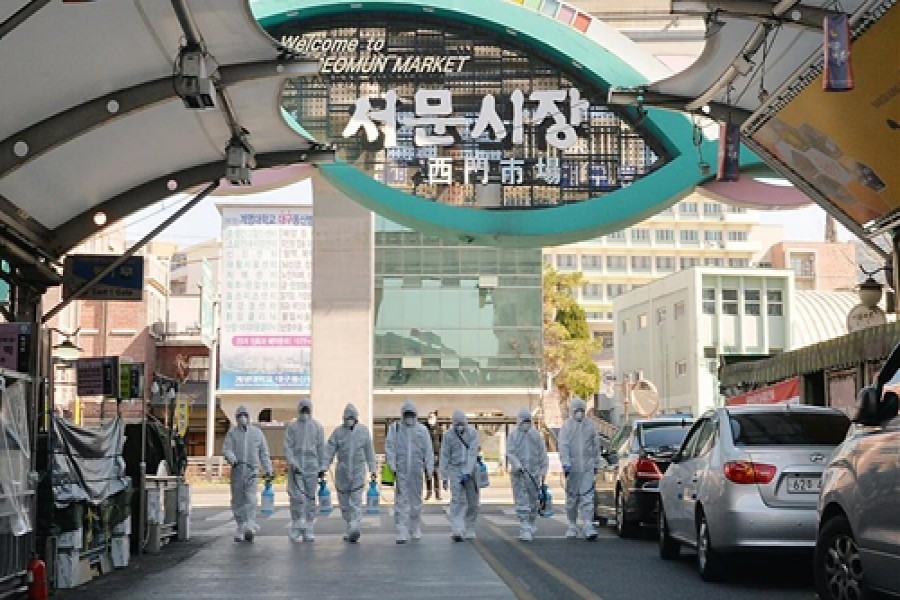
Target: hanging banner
x=783 y=392
x=838 y=70
x=729 y=152
x=182 y=414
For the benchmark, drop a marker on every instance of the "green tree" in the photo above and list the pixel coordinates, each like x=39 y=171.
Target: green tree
x=568 y=347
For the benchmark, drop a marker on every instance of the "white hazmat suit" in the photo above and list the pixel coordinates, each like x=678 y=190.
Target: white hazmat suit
x=459 y=454
x=409 y=453
x=245 y=449
x=304 y=450
x=579 y=452
x=352 y=445
x=526 y=455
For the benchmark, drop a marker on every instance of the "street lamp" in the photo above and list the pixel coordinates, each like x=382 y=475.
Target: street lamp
x=66 y=350
x=870 y=290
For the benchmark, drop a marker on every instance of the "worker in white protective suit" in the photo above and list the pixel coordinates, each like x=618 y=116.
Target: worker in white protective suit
x=458 y=464
x=579 y=452
x=526 y=455
x=351 y=443
x=409 y=454
x=304 y=450
x=246 y=450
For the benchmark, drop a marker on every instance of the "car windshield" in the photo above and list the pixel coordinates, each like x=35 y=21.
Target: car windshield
x=796 y=429
x=666 y=436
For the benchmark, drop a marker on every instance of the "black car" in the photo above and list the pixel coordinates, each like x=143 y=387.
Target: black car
x=627 y=483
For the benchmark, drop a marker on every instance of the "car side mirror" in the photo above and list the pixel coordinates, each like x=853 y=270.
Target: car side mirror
x=676 y=457
x=890 y=406
x=867 y=406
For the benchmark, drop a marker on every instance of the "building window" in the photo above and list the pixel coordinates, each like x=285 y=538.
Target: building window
x=665 y=263
x=680 y=368
x=688 y=208
x=609 y=316
x=642 y=321
x=690 y=236
x=592 y=290
x=709 y=301
x=660 y=316
x=178 y=288
x=729 y=302
x=738 y=263
x=592 y=262
x=776 y=303
x=665 y=236
x=548 y=259
x=605 y=337
x=616 y=237
x=737 y=236
x=615 y=289
x=641 y=263
x=566 y=261
x=678 y=311
x=179 y=260
x=803 y=265
x=624 y=326
x=616 y=263
x=712 y=235
x=751 y=302
x=712 y=208
x=687 y=262
x=198 y=368
x=640 y=236
x=713 y=262
x=593 y=316
x=737 y=210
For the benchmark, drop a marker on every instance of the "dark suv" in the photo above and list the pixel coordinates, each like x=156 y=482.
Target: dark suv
x=627 y=483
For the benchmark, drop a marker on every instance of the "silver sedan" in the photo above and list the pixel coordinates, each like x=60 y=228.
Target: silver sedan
x=747 y=478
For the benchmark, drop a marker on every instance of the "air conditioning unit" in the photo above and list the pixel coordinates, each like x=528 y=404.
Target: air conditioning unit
x=158 y=329
x=488 y=282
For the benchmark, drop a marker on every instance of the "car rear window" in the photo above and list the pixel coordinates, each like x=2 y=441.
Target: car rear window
x=669 y=435
x=782 y=429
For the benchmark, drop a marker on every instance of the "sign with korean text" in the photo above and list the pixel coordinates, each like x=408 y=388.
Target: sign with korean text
x=15 y=346
x=97 y=376
x=266 y=289
x=131 y=381
x=126 y=282
x=182 y=413
x=460 y=117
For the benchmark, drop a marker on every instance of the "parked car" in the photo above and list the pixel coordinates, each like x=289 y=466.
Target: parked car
x=627 y=484
x=858 y=537
x=747 y=479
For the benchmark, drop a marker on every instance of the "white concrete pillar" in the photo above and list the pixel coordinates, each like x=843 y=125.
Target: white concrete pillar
x=342 y=300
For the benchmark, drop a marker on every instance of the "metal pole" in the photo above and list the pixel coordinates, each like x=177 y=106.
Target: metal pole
x=211 y=389
x=132 y=250
x=142 y=484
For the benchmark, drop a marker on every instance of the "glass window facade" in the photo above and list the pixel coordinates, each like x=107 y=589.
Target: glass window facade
x=471 y=314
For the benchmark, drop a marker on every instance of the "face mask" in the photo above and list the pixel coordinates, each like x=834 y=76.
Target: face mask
x=243 y=420
x=304 y=417
x=579 y=415
x=524 y=425
x=409 y=421
x=349 y=423
x=460 y=428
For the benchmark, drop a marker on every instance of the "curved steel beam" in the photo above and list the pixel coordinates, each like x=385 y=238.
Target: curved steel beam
x=788 y=13
x=72 y=232
x=27 y=145
x=718 y=111
x=21 y=15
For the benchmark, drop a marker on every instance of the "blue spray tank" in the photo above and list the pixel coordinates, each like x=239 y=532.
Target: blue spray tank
x=545 y=500
x=373 y=497
x=325 y=507
x=268 y=500
x=481 y=473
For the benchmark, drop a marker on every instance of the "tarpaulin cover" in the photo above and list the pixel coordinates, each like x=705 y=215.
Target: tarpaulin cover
x=15 y=460
x=87 y=463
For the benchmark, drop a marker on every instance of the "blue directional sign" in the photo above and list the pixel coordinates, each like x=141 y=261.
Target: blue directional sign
x=126 y=282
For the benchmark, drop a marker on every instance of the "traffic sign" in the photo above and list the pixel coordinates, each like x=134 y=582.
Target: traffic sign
x=126 y=282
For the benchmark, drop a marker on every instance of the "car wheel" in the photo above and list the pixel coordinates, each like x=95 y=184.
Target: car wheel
x=624 y=527
x=669 y=547
x=709 y=562
x=837 y=568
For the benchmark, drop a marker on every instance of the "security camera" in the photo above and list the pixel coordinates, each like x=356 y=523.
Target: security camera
x=239 y=162
x=192 y=80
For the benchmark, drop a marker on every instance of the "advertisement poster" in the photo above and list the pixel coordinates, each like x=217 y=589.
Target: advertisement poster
x=845 y=144
x=266 y=313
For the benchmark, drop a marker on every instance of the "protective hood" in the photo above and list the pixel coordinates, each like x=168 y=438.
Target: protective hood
x=408 y=406
x=459 y=418
x=523 y=415
x=241 y=410
x=350 y=412
x=577 y=404
x=304 y=403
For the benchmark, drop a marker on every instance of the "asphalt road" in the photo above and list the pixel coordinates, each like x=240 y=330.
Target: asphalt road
x=551 y=567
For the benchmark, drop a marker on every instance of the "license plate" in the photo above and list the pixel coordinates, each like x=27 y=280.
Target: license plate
x=804 y=485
